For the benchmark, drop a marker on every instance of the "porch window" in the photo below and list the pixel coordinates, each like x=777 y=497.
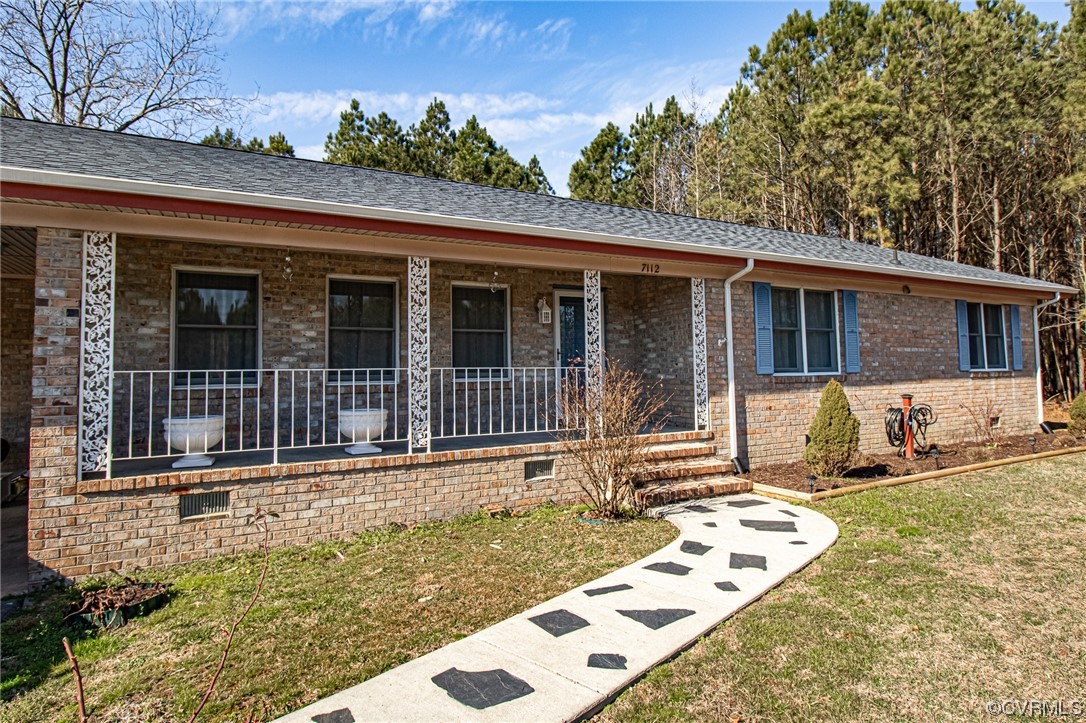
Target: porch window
x=216 y=326
x=987 y=342
x=480 y=330
x=804 y=331
x=362 y=329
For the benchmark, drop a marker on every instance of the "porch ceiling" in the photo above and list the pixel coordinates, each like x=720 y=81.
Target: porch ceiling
x=18 y=246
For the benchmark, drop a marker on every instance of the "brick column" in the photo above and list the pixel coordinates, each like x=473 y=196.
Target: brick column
x=54 y=403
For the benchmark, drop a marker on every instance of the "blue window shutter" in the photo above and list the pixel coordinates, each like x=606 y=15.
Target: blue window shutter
x=763 y=328
x=963 y=336
x=1016 y=338
x=852 y=331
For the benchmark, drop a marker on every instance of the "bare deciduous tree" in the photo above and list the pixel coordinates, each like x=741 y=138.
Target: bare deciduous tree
x=606 y=435
x=146 y=66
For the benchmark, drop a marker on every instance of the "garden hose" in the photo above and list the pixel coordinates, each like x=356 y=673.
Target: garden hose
x=920 y=417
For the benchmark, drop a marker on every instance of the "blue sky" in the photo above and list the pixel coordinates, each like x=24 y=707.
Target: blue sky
x=543 y=77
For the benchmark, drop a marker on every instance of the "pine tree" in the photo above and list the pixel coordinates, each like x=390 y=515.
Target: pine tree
x=535 y=179
x=602 y=173
x=348 y=145
x=432 y=142
x=278 y=146
x=277 y=143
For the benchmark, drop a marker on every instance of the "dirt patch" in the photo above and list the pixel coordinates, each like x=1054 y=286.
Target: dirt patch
x=874 y=467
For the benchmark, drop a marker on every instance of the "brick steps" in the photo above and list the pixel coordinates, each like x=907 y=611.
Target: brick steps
x=679 y=450
x=685 y=467
x=686 y=471
x=655 y=495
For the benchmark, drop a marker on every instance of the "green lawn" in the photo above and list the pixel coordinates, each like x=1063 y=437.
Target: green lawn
x=326 y=620
x=938 y=597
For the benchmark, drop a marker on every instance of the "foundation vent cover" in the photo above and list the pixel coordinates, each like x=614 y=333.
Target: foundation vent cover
x=204 y=504
x=539 y=469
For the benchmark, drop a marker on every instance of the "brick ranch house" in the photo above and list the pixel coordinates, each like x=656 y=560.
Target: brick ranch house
x=149 y=284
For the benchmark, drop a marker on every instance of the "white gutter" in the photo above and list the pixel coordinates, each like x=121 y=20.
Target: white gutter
x=258 y=200
x=733 y=428
x=1037 y=356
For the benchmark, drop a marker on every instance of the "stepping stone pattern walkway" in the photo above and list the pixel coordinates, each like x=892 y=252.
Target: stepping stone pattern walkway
x=566 y=658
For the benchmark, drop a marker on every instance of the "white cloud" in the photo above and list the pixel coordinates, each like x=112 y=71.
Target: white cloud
x=321 y=107
x=438 y=10
x=237 y=17
x=313 y=153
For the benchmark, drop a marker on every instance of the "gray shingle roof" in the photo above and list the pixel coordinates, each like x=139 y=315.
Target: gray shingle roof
x=48 y=147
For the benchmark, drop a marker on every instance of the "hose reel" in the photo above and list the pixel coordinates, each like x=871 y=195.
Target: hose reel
x=907 y=427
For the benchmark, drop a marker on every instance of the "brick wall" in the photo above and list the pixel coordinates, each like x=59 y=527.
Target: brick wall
x=16 y=351
x=53 y=502
x=655 y=336
x=909 y=344
x=135 y=525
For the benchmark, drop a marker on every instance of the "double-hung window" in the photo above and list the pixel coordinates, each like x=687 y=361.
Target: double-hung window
x=799 y=331
x=480 y=331
x=216 y=327
x=362 y=330
x=987 y=338
x=804 y=331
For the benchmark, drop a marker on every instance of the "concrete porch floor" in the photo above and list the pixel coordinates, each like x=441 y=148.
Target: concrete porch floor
x=226 y=460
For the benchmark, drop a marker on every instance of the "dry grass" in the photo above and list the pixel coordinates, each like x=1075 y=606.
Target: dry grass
x=331 y=616
x=938 y=597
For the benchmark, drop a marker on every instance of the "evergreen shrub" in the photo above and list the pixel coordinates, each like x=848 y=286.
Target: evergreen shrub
x=1077 y=423
x=834 y=434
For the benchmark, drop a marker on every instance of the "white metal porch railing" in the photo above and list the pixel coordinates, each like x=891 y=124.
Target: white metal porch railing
x=485 y=401
x=260 y=409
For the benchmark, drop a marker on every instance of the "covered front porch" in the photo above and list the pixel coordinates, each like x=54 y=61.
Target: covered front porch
x=197 y=354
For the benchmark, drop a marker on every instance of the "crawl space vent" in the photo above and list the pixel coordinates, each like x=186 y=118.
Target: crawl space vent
x=203 y=504
x=538 y=469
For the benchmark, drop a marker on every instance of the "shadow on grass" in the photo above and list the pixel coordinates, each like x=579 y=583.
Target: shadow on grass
x=32 y=640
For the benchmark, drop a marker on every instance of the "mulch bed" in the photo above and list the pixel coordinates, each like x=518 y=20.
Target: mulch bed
x=873 y=467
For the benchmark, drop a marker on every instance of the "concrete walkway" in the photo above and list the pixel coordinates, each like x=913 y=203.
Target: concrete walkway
x=566 y=658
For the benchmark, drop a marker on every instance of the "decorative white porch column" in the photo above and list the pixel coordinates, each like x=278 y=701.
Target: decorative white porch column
x=96 y=352
x=418 y=351
x=593 y=335
x=700 y=350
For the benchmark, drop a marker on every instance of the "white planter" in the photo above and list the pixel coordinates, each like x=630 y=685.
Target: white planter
x=192 y=436
x=360 y=426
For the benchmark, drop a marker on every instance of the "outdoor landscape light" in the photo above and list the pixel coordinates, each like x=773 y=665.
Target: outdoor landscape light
x=1033 y=442
x=935 y=455
x=811 y=479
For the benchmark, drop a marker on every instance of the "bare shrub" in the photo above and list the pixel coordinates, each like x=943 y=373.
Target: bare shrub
x=605 y=434
x=985 y=418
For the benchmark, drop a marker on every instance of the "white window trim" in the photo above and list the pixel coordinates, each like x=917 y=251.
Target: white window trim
x=506 y=369
x=328 y=330
x=220 y=271
x=803 y=330
x=984 y=337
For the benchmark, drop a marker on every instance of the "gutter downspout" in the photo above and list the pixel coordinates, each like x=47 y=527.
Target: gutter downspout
x=733 y=430
x=1037 y=356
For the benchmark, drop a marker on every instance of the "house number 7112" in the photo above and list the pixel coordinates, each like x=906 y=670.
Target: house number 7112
x=650 y=268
